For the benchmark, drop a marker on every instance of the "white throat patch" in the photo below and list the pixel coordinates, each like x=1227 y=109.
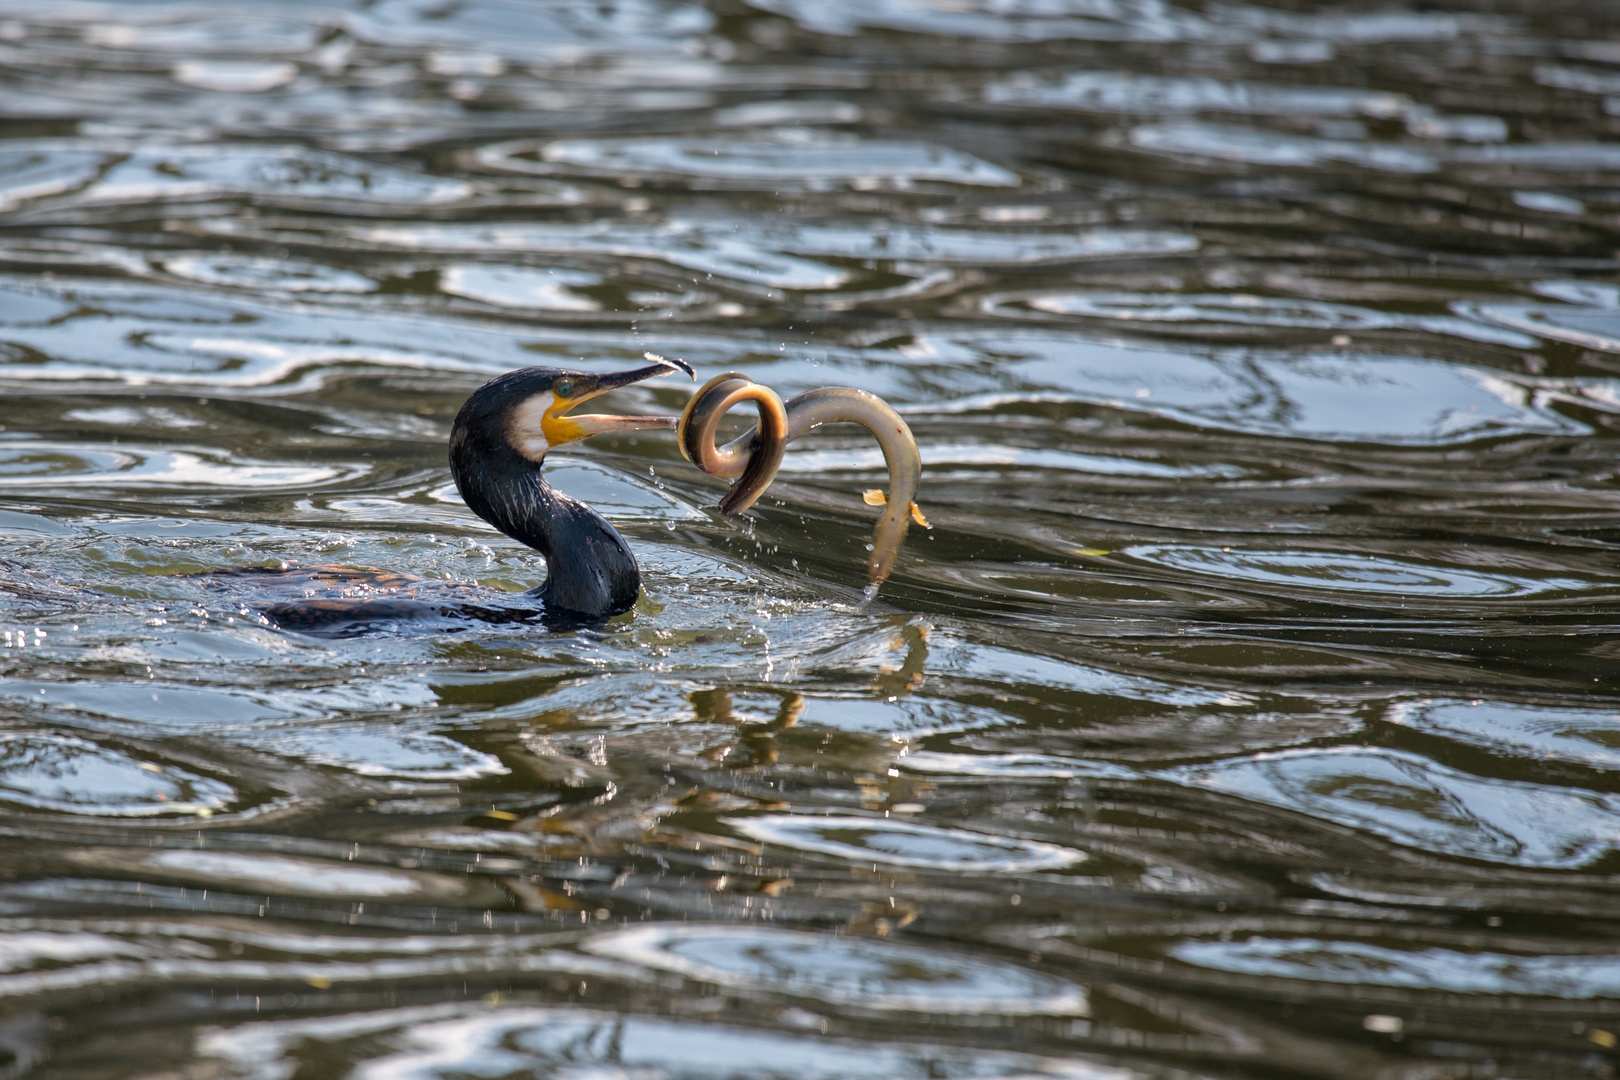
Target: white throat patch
x=526 y=430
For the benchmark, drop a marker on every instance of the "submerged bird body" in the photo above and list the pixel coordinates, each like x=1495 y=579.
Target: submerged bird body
x=345 y=600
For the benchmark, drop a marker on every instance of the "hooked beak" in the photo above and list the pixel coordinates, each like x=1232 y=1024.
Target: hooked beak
x=561 y=428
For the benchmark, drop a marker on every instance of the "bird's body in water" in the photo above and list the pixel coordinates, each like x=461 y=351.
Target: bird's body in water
x=346 y=600
x=497 y=448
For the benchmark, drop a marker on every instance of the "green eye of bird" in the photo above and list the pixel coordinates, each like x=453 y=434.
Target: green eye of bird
x=562 y=388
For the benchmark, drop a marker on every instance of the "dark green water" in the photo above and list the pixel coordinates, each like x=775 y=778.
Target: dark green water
x=1250 y=710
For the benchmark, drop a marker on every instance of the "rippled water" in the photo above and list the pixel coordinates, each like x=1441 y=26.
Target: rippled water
x=1249 y=710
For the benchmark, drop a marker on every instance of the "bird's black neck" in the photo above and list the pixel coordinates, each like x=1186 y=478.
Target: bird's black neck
x=590 y=568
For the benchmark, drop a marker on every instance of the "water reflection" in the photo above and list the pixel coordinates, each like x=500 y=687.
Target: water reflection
x=844 y=971
x=1365 y=963
x=439 y=1041
x=70 y=775
x=144 y=172
x=1412 y=800
x=1210 y=315
x=900 y=843
x=1582 y=736
x=1107 y=92
x=1351 y=573
x=794 y=158
x=260 y=274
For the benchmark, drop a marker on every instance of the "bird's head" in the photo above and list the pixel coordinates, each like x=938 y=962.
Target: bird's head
x=528 y=411
x=499 y=439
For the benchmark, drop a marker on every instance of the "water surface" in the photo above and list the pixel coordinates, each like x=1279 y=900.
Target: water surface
x=1248 y=711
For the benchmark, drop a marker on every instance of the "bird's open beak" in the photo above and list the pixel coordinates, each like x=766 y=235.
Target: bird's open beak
x=561 y=428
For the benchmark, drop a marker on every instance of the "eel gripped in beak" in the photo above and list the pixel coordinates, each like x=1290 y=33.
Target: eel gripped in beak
x=752 y=459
